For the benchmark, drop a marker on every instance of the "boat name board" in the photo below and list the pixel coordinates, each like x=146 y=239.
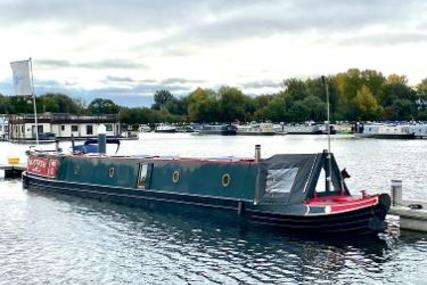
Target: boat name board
x=43 y=166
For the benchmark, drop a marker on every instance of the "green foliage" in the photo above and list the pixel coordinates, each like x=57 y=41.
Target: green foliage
x=58 y=103
x=354 y=95
x=202 y=106
x=101 y=106
x=233 y=105
x=161 y=97
x=422 y=89
x=366 y=106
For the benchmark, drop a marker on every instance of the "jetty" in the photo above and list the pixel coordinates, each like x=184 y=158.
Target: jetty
x=412 y=214
x=12 y=171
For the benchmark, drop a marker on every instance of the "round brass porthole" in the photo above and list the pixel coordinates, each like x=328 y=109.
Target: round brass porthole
x=175 y=176
x=111 y=172
x=226 y=179
x=77 y=170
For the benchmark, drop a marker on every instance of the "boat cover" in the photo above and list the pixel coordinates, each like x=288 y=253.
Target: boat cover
x=292 y=178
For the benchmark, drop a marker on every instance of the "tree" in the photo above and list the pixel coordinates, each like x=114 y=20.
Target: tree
x=233 y=105
x=394 y=90
x=59 y=103
x=422 y=96
x=161 y=97
x=276 y=109
x=366 y=105
x=403 y=109
x=422 y=89
x=177 y=106
x=103 y=106
x=4 y=104
x=202 y=106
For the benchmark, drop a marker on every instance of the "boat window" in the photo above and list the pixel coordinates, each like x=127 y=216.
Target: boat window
x=175 y=176
x=143 y=173
x=111 y=172
x=89 y=129
x=321 y=183
x=280 y=180
x=226 y=179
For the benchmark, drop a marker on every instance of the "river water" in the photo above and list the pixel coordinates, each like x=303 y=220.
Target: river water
x=53 y=239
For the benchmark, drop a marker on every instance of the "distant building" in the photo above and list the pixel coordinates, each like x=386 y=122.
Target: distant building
x=60 y=125
x=4 y=127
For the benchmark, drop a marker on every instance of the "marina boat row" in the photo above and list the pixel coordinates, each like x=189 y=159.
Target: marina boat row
x=303 y=193
x=251 y=129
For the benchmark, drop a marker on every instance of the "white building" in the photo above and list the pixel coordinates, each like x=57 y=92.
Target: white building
x=4 y=127
x=59 y=125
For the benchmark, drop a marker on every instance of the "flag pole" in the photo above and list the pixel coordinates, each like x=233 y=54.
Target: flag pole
x=34 y=103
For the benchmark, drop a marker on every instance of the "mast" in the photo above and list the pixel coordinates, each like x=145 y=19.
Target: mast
x=328 y=157
x=34 y=103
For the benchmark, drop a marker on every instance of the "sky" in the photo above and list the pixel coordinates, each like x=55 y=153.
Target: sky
x=126 y=50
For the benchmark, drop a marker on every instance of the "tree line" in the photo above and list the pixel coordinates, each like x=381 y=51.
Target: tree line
x=355 y=95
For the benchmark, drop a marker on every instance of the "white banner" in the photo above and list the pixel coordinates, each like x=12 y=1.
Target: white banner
x=21 y=77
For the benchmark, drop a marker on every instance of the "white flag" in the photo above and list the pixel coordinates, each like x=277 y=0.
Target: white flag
x=21 y=77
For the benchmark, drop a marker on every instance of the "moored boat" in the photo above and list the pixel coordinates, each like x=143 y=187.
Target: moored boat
x=223 y=130
x=164 y=128
x=384 y=131
x=303 y=129
x=256 y=129
x=283 y=191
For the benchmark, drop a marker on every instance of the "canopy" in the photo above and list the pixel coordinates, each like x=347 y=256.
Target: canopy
x=292 y=178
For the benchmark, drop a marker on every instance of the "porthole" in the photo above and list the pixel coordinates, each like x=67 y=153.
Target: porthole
x=111 y=172
x=77 y=170
x=175 y=176
x=226 y=179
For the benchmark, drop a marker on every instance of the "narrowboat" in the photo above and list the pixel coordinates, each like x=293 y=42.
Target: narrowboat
x=284 y=192
x=223 y=130
x=302 y=129
x=256 y=129
x=384 y=131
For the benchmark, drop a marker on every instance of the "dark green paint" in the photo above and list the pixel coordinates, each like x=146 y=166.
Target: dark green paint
x=196 y=178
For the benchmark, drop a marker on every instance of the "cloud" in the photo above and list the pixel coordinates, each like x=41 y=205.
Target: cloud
x=214 y=20
x=180 y=44
x=384 y=39
x=102 y=64
x=171 y=81
x=261 y=84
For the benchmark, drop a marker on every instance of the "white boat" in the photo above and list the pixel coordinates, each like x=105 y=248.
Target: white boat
x=256 y=129
x=386 y=131
x=144 y=128
x=419 y=130
x=165 y=128
x=303 y=129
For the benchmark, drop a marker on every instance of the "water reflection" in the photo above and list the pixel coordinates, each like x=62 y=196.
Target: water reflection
x=61 y=239
x=110 y=243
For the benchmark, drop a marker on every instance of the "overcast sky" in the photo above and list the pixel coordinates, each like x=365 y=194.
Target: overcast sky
x=127 y=49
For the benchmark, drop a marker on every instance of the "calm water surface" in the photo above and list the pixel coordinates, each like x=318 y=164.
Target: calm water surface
x=46 y=239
